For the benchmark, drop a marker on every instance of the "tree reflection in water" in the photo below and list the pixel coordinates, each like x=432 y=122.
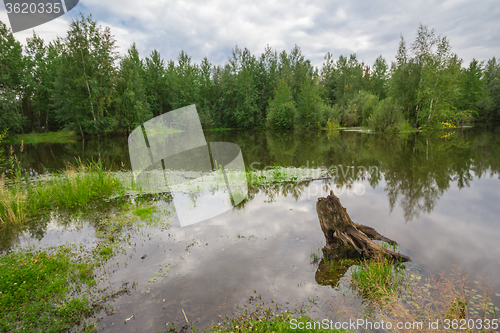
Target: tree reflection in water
x=414 y=169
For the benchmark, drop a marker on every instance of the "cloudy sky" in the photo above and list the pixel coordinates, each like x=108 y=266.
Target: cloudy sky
x=212 y=28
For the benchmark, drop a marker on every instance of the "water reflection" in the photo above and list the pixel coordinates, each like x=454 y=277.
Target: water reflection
x=414 y=171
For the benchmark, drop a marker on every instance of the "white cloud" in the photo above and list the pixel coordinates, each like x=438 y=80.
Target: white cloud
x=213 y=28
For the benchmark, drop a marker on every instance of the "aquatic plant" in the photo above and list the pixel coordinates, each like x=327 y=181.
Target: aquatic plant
x=378 y=279
x=76 y=186
x=436 y=304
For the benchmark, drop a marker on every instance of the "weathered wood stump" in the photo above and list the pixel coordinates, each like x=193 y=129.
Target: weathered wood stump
x=344 y=238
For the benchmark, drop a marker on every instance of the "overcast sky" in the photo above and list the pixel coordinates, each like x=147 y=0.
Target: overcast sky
x=212 y=28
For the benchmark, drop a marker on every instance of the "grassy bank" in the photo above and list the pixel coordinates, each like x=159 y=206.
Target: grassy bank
x=56 y=289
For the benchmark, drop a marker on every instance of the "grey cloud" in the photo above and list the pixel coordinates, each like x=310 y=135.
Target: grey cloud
x=368 y=29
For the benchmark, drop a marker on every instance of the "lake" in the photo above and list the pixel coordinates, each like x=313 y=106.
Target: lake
x=436 y=194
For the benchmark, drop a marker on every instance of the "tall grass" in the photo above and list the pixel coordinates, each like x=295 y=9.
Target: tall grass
x=73 y=187
x=12 y=204
x=378 y=280
x=396 y=294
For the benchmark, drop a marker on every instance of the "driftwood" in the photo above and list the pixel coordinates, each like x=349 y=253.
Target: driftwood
x=344 y=238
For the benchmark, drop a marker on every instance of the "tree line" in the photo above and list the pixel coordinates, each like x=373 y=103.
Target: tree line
x=81 y=83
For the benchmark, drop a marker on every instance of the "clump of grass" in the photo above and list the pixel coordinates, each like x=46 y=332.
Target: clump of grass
x=33 y=291
x=378 y=279
x=75 y=187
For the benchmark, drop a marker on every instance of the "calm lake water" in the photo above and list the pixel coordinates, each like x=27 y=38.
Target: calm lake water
x=436 y=194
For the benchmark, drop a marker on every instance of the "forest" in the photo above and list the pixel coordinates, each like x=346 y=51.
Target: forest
x=81 y=83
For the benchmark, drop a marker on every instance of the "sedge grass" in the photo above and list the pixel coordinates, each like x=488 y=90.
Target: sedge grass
x=403 y=299
x=12 y=204
x=379 y=279
x=75 y=187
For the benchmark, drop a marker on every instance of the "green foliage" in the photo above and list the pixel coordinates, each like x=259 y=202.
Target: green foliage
x=155 y=84
x=489 y=105
x=387 y=116
x=281 y=113
x=328 y=112
x=349 y=78
x=403 y=85
x=308 y=113
x=472 y=87
x=87 y=77
x=132 y=106
x=438 y=87
x=77 y=83
x=41 y=68
x=11 y=73
x=457 y=309
x=379 y=78
x=329 y=79
x=332 y=124
x=405 y=127
x=359 y=109
x=370 y=103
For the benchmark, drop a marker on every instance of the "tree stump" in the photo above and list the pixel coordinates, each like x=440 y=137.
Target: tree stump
x=344 y=238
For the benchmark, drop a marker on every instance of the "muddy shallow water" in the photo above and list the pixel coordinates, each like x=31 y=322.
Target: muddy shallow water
x=436 y=195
